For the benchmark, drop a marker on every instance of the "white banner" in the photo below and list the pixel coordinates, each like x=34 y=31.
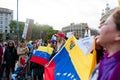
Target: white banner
x=24 y=35
x=28 y=29
x=86 y=44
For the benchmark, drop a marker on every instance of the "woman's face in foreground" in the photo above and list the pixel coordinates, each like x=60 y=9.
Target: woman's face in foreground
x=107 y=32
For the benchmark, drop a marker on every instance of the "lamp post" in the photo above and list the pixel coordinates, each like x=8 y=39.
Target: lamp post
x=17 y=27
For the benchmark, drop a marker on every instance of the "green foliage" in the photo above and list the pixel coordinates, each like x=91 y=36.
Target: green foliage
x=38 y=31
x=1 y=37
x=21 y=28
x=42 y=31
x=13 y=27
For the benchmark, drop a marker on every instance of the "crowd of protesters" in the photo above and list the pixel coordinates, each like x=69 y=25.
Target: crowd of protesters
x=14 y=58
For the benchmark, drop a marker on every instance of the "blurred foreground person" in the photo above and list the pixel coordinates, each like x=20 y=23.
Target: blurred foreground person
x=109 y=38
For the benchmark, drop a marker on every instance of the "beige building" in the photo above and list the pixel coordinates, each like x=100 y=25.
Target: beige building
x=78 y=29
x=6 y=15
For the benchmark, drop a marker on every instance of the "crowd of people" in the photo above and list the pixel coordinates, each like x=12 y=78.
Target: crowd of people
x=13 y=58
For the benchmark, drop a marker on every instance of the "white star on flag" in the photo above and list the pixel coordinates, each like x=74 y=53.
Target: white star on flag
x=58 y=74
x=72 y=76
x=69 y=74
x=64 y=74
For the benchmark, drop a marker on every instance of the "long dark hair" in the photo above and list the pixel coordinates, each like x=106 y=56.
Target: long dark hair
x=8 y=45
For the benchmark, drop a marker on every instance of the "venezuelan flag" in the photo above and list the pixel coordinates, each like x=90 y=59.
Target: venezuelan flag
x=70 y=63
x=41 y=55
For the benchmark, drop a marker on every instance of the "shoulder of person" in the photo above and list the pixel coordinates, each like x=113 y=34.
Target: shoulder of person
x=116 y=73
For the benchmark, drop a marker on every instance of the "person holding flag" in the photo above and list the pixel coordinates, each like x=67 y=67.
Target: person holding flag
x=70 y=63
x=60 y=38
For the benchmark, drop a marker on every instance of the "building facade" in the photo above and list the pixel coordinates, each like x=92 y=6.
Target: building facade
x=78 y=29
x=6 y=15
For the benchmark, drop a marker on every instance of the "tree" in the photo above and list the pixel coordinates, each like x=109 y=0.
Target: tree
x=1 y=37
x=13 y=27
x=38 y=31
x=21 y=28
x=42 y=31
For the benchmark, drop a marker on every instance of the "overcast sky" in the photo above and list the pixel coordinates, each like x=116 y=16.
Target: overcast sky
x=60 y=13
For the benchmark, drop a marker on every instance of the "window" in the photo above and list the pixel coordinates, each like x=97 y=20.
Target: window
x=0 y=30
x=6 y=18
x=1 y=26
x=1 y=18
x=5 y=31
x=6 y=22
x=6 y=27
x=1 y=14
x=6 y=15
x=1 y=22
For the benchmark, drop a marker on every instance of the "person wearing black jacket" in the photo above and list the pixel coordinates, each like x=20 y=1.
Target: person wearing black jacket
x=10 y=58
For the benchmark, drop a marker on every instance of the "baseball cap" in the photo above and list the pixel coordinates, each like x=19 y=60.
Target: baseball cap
x=60 y=34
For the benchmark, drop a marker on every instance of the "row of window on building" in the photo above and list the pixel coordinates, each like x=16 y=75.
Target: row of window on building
x=2 y=14
x=3 y=20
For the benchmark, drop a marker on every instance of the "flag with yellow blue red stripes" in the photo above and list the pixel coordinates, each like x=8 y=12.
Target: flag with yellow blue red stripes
x=70 y=63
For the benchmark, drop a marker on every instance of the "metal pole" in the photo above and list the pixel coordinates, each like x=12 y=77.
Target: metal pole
x=17 y=27
x=81 y=32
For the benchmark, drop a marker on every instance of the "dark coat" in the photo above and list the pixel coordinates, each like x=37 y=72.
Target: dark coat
x=10 y=56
